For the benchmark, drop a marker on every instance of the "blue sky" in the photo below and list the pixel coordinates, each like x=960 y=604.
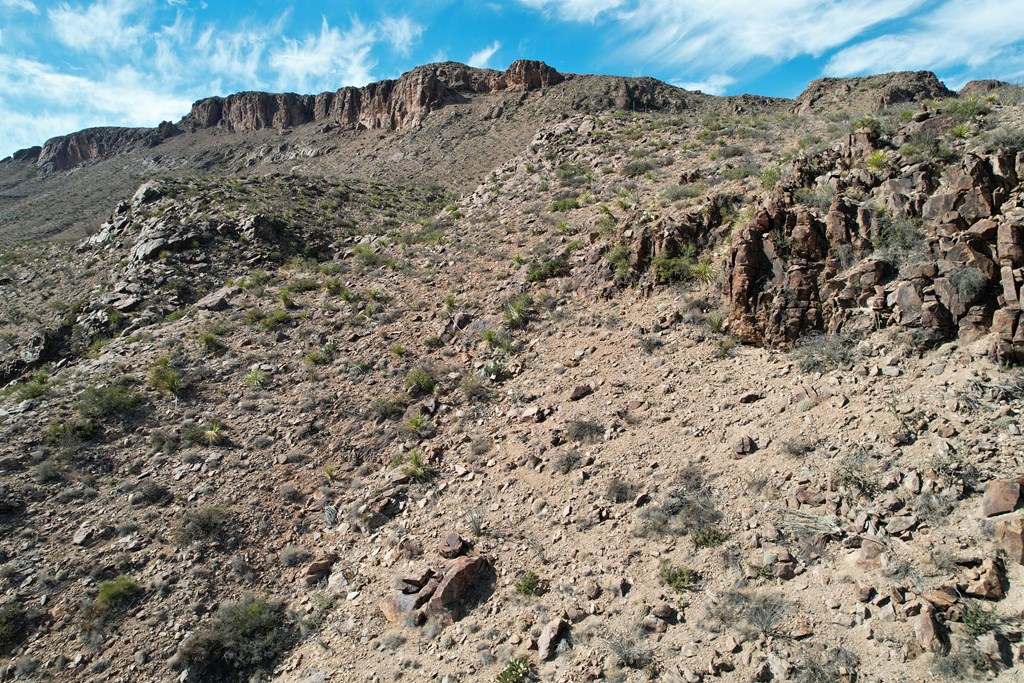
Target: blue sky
x=68 y=65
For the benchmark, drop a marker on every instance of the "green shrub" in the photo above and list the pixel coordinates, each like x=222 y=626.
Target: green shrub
x=770 y=177
x=256 y=378
x=877 y=160
x=821 y=352
x=12 y=624
x=517 y=311
x=869 y=122
x=416 y=467
x=670 y=269
x=69 y=434
x=716 y=320
x=34 y=388
x=679 y=579
x=965 y=108
x=678 y=192
x=114 y=401
x=245 y=637
x=819 y=197
x=709 y=537
x=516 y=671
x=547 y=269
x=528 y=584
x=166 y=379
x=566 y=204
x=118 y=593
x=420 y=381
x=637 y=168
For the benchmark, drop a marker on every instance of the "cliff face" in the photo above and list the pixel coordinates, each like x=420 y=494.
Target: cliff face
x=388 y=105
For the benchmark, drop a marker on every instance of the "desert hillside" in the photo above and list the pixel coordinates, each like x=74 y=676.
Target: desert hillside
x=518 y=376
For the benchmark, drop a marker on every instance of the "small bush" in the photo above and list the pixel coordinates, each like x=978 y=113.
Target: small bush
x=293 y=555
x=669 y=269
x=816 y=197
x=256 y=378
x=567 y=462
x=868 y=122
x=210 y=523
x=709 y=537
x=528 y=584
x=679 y=579
x=416 y=466
x=637 y=168
x=420 y=381
x=389 y=406
x=70 y=434
x=516 y=671
x=149 y=492
x=965 y=108
x=584 y=431
x=118 y=593
x=979 y=619
x=12 y=624
x=517 y=311
x=547 y=269
x=969 y=282
x=114 y=401
x=473 y=388
x=626 y=647
x=34 y=388
x=567 y=204
x=244 y=638
x=704 y=272
x=166 y=379
x=821 y=352
x=877 y=160
x=716 y=320
x=678 y=192
x=770 y=177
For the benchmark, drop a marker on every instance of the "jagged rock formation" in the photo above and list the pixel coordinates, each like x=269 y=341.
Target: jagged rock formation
x=389 y=105
x=68 y=151
x=870 y=93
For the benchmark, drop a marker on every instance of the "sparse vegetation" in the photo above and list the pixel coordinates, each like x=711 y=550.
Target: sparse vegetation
x=118 y=593
x=679 y=579
x=204 y=524
x=821 y=352
x=516 y=671
x=115 y=401
x=528 y=584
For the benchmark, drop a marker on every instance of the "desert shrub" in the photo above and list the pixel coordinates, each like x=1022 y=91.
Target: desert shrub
x=836 y=665
x=679 y=579
x=1007 y=138
x=868 y=122
x=965 y=108
x=739 y=172
x=686 y=506
x=210 y=523
x=149 y=492
x=517 y=311
x=69 y=434
x=420 y=381
x=678 y=192
x=716 y=320
x=517 y=670
x=166 y=379
x=753 y=613
x=256 y=378
x=877 y=160
x=417 y=467
x=34 y=388
x=709 y=537
x=620 y=491
x=546 y=269
x=704 y=272
x=389 y=406
x=528 y=584
x=102 y=403
x=798 y=448
x=584 y=431
x=725 y=347
x=628 y=649
x=770 y=177
x=979 y=619
x=13 y=621
x=293 y=555
x=473 y=388
x=968 y=282
x=210 y=434
x=567 y=462
x=244 y=638
x=823 y=352
x=118 y=593
x=566 y=204
x=669 y=269
x=819 y=197
x=927 y=145
x=637 y=168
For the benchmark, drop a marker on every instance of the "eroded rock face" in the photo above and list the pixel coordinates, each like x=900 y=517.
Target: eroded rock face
x=388 y=105
x=871 y=93
x=68 y=151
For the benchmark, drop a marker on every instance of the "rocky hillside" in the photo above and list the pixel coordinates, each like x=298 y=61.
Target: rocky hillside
x=515 y=376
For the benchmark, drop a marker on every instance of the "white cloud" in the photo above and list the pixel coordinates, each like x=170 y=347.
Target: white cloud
x=101 y=27
x=67 y=103
x=22 y=5
x=326 y=61
x=574 y=10
x=401 y=32
x=481 y=58
x=728 y=34
x=970 y=34
x=715 y=84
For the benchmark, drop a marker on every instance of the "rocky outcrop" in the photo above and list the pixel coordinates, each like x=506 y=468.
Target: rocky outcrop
x=983 y=87
x=870 y=93
x=388 y=105
x=68 y=151
x=937 y=251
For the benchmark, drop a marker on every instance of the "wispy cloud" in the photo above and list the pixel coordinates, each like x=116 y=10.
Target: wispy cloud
x=102 y=27
x=481 y=58
x=20 y=5
x=401 y=33
x=959 y=35
x=326 y=61
x=574 y=10
x=715 y=84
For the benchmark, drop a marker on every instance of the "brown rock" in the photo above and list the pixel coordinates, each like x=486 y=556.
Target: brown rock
x=1010 y=537
x=1001 y=496
x=664 y=611
x=592 y=589
x=582 y=391
x=744 y=446
x=318 y=569
x=928 y=632
x=549 y=638
x=452 y=546
x=990 y=581
x=396 y=607
x=454 y=588
x=940 y=597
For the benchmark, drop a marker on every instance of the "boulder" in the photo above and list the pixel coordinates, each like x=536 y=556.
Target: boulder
x=1001 y=496
x=549 y=638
